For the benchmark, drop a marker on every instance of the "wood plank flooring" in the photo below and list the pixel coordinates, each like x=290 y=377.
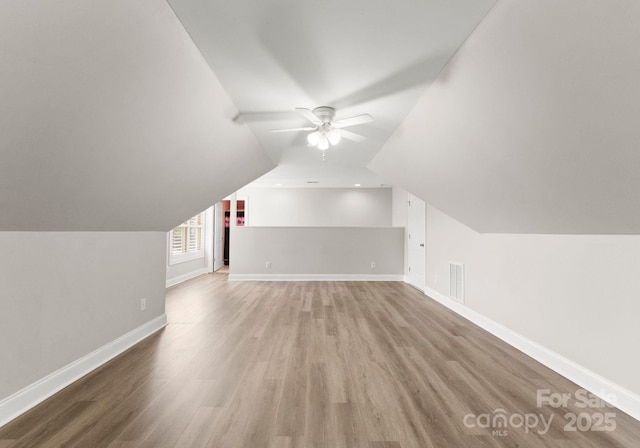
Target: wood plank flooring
x=311 y=364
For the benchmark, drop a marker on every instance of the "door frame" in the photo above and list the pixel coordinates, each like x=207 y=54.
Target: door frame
x=218 y=229
x=416 y=238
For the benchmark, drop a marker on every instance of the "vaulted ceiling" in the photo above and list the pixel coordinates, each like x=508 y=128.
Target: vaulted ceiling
x=359 y=56
x=112 y=119
x=534 y=126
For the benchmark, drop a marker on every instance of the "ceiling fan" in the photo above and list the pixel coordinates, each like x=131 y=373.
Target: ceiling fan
x=326 y=131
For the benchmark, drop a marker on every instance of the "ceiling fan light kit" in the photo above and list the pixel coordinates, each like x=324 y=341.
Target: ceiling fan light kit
x=323 y=142
x=314 y=138
x=327 y=132
x=334 y=137
x=324 y=137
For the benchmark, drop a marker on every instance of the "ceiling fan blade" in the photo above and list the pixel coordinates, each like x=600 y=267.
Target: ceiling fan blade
x=416 y=76
x=351 y=135
x=309 y=128
x=306 y=113
x=261 y=116
x=358 y=119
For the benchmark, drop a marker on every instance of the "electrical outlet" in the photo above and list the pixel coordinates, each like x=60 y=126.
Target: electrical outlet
x=267 y=265
x=435 y=278
x=373 y=265
x=143 y=304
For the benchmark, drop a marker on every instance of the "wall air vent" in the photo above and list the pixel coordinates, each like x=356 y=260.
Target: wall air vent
x=456 y=281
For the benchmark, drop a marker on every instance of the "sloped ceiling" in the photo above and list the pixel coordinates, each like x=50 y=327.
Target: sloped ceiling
x=534 y=126
x=359 y=56
x=110 y=119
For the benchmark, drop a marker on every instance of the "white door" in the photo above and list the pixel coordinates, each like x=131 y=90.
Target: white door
x=218 y=218
x=416 y=242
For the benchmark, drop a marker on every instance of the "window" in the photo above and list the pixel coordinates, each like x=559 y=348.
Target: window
x=187 y=240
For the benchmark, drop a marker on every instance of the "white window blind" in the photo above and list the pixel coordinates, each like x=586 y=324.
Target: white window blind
x=186 y=240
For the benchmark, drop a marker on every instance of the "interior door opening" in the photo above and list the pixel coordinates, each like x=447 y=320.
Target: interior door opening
x=227 y=211
x=416 y=243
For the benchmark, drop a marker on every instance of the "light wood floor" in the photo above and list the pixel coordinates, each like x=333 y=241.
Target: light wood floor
x=318 y=364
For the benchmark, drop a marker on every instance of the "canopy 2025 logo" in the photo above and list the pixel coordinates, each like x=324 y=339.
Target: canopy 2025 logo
x=499 y=421
x=582 y=399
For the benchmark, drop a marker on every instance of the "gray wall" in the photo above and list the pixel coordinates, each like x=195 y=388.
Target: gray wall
x=317 y=250
x=345 y=207
x=508 y=138
x=574 y=294
x=65 y=294
x=112 y=120
x=177 y=272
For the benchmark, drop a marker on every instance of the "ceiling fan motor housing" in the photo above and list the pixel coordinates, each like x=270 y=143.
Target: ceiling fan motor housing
x=324 y=113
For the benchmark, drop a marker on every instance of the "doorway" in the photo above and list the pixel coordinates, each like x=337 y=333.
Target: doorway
x=218 y=246
x=416 y=242
x=227 y=224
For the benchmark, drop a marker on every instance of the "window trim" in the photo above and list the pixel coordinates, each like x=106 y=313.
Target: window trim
x=188 y=256
x=182 y=258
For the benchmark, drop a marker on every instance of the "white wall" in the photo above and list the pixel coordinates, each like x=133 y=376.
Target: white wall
x=342 y=207
x=400 y=218
x=574 y=294
x=65 y=294
x=338 y=251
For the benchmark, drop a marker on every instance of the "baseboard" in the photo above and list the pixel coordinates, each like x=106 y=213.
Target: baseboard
x=23 y=400
x=316 y=277
x=626 y=400
x=408 y=282
x=183 y=278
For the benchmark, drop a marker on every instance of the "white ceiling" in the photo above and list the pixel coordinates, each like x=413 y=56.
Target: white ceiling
x=534 y=126
x=359 y=56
